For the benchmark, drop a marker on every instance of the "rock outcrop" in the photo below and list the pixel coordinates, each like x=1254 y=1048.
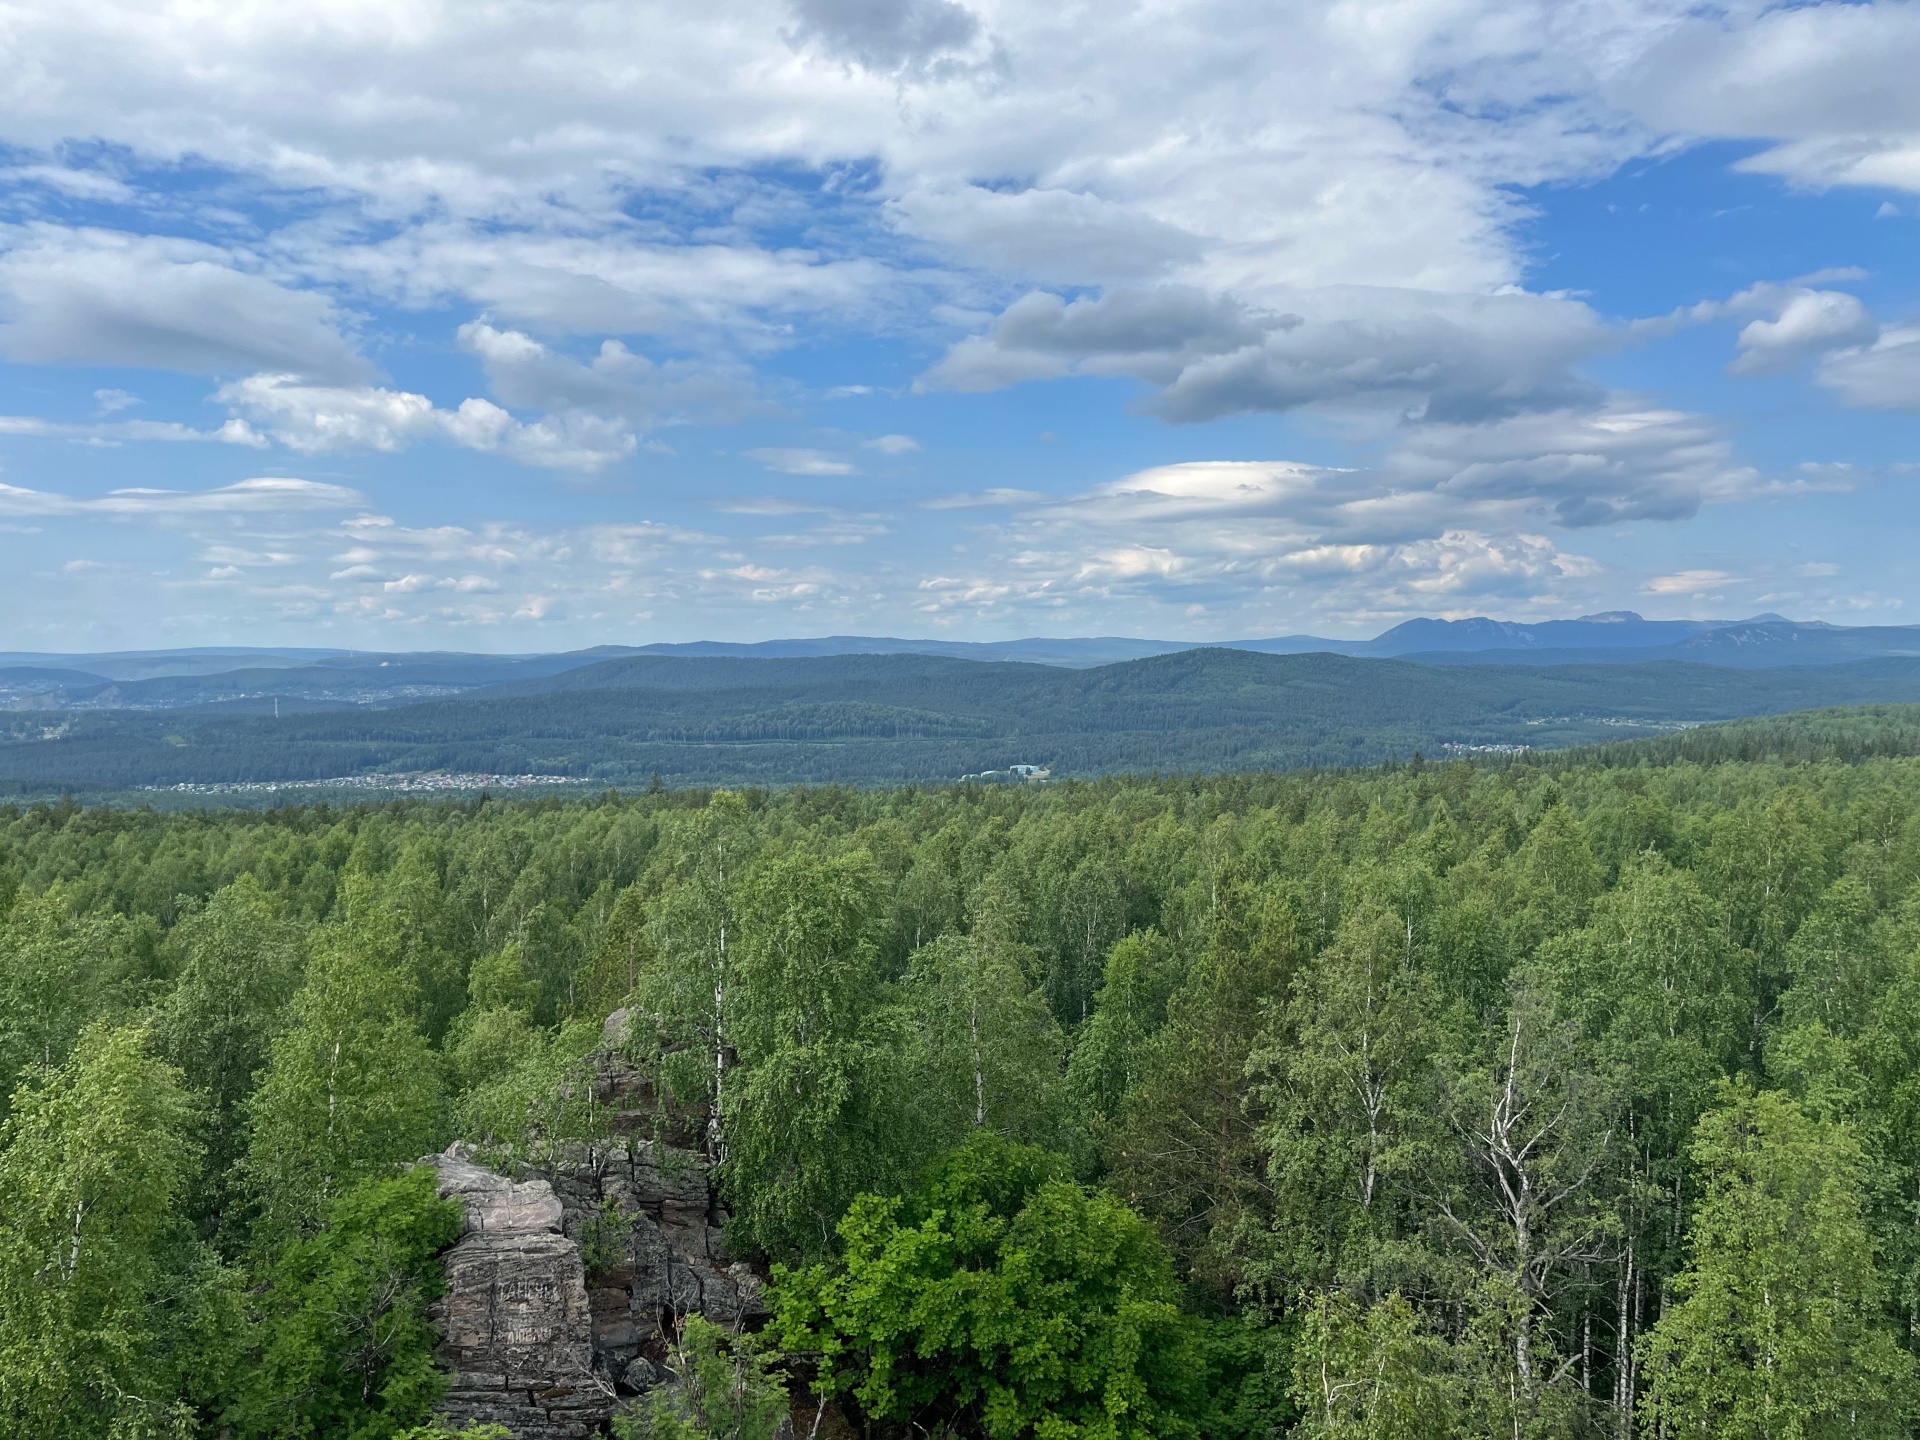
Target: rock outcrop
x=516 y=1324
x=570 y=1279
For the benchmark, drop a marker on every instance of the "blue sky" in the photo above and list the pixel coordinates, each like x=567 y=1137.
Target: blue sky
x=530 y=326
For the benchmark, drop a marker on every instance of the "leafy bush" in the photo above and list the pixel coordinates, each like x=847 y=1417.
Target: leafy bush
x=1001 y=1299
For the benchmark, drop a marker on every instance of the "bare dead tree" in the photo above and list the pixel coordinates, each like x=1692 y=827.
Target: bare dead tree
x=1535 y=1122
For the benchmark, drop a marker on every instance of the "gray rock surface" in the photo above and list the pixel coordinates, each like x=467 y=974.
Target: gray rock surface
x=516 y=1323
x=569 y=1281
x=647 y=1218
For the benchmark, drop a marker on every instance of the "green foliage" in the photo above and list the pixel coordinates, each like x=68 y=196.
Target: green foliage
x=352 y=1087
x=346 y=1349
x=438 y=1429
x=1776 y=1329
x=1003 y=1299
x=1184 y=1151
x=898 y=719
x=724 y=1386
x=52 y=963
x=1343 y=1019
x=1108 y=1057
x=524 y=1091
x=241 y=964
x=114 y=1319
x=816 y=1115
x=1377 y=1374
x=1248 y=1377
x=990 y=1049
x=1347 y=1079
x=500 y=981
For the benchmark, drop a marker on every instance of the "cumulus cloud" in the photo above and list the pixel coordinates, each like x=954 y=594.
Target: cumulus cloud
x=1311 y=214
x=1064 y=142
x=316 y=418
x=1796 y=323
x=1454 y=517
x=1574 y=468
x=98 y=297
x=619 y=280
x=887 y=35
x=1061 y=236
x=1440 y=357
x=1809 y=324
x=1832 y=84
x=1086 y=552
x=1884 y=375
x=1864 y=365
x=525 y=373
x=1153 y=334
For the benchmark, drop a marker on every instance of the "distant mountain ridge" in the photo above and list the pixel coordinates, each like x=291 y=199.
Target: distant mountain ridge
x=1610 y=629
x=889 y=719
x=268 y=680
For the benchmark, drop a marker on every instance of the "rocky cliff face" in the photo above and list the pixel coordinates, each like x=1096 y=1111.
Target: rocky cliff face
x=570 y=1279
x=516 y=1323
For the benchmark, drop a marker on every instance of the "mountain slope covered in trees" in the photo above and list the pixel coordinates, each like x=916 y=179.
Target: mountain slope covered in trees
x=1569 y=1099
x=879 y=719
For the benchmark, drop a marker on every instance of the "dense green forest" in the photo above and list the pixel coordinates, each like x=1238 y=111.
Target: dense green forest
x=1431 y=1100
x=895 y=719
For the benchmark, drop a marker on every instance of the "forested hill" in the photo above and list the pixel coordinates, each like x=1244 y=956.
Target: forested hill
x=1446 y=1102
x=877 y=719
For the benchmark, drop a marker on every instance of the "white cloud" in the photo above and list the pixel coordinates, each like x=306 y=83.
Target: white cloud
x=491 y=153
x=1832 y=83
x=887 y=35
x=317 y=418
x=1574 y=468
x=892 y=444
x=525 y=373
x=1451 y=519
x=1444 y=357
x=1061 y=236
x=1809 y=323
x=616 y=279
x=1686 y=582
x=1882 y=376
x=113 y=432
x=1865 y=366
x=789 y=461
x=982 y=499
x=266 y=495
x=1307 y=208
x=99 y=297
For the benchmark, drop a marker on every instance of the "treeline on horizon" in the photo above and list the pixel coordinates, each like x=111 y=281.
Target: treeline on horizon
x=901 y=719
x=1578 y=1099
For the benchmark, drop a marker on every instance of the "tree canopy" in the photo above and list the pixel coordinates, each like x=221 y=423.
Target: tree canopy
x=1541 y=1099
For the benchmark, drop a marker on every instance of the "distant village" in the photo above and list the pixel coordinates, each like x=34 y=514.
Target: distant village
x=1012 y=775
